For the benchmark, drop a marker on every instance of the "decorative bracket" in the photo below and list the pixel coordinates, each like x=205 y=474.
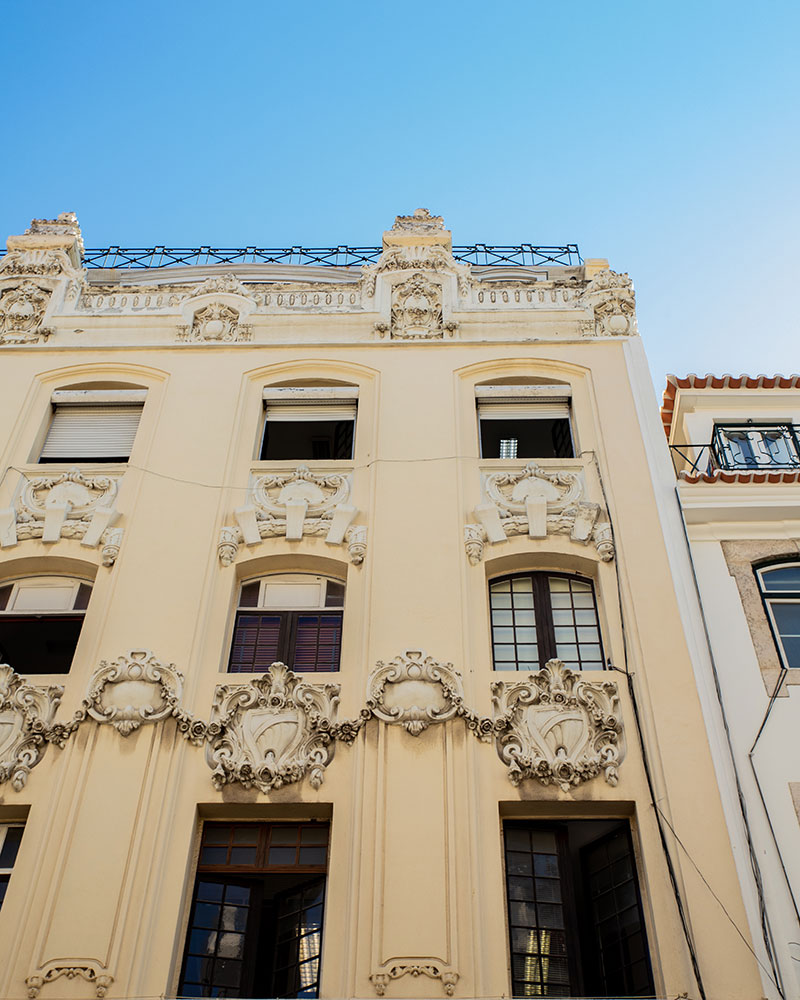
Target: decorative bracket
x=93 y=973
x=26 y=712
x=433 y=968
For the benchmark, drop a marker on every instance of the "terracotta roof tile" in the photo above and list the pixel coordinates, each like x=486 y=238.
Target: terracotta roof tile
x=719 y=382
x=724 y=476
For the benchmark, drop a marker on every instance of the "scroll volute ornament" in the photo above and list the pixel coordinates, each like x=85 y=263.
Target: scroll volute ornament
x=558 y=727
x=26 y=712
x=273 y=731
x=133 y=690
x=413 y=690
x=21 y=312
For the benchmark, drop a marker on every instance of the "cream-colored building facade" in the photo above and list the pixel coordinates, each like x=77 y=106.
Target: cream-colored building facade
x=437 y=492
x=737 y=458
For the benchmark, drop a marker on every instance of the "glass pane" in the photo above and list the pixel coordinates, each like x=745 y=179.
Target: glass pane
x=11 y=842
x=243 y=856
x=503 y=634
x=522 y=584
x=281 y=856
x=283 y=834
x=249 y=595
x=214 y=856
x=210 y=892
x=785 y=578
x=246 y=834
x=216 y=834
x=502 y=617
x=313 y=855
x=787 y=621
x=314 y=835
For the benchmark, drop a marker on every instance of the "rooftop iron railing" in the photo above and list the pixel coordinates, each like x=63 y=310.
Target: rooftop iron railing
x=481 y=254
x=744 y=447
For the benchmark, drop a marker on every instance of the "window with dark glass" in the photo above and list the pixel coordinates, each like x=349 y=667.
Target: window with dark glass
x=293 y=619
x=10 y=839
x=255 y=927
x=524 y=421
x=309 y=423
x=576 y=925
x=537 y=617
x=780 y=591
x=40 y=623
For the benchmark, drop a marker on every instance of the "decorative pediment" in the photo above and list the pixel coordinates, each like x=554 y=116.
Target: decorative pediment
x=558 y=728
x=136 y=689
x=535 y=502
x=413 y=690
x=294 y=504
x=26 y=711
x=273 y=731
x=67 y=505
x=216 y=310
x=22 y=310
x=611 y=298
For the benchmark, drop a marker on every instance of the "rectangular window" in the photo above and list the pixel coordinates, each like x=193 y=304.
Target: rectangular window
x=93 y=426
x=292 y=619
x=255 y=928
x=575 y=916
x=528 y=421
x=309 y=423
x=10 y=839
x=40 y=623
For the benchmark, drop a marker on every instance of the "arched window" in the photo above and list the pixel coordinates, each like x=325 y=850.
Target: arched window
x=780 y=591
x=40 y=622
x=293 y=618
x=538 y=617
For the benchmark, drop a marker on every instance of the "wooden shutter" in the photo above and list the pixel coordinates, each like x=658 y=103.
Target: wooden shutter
x=256 y=642
x=89 y=426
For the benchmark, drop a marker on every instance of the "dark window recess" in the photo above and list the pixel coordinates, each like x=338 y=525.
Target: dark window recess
x=575 y=915
x=546 y=438
x=10 y=839
x=304 y=640
x=307 y=439
x=39 y=644
x=538 y=617
x=255 y=928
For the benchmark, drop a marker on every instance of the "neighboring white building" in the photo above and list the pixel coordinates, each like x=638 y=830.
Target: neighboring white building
x=736 y=450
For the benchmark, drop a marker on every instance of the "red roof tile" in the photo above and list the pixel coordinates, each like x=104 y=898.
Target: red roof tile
x=719 y=382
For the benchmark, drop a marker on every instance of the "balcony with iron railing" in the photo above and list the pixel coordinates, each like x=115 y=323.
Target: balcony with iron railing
x=745 y=447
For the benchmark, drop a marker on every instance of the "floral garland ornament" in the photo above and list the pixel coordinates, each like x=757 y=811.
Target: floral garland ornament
x=26 y=713
x=558 y=728
x=272 y=731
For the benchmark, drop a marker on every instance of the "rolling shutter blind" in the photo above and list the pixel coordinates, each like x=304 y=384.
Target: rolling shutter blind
x=86 y=432
x=311 y=403
x=534 y=402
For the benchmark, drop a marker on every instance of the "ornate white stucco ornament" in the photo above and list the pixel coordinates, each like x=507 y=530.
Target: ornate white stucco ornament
x=558 y=728
x=413 y=690
x=611 y=298
x=91 y=972
x=417 y=310
x=216 y=310
x=433 y=968
x=67 y=505
x=536 y=503
x=273 y=731
x=26 y=712
x=134 y=690
x=21 y=312
x=294 y=504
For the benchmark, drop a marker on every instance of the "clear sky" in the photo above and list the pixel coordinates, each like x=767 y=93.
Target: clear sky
x=664 y=136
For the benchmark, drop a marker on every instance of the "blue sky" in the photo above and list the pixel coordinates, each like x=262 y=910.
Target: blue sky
x=663 y=136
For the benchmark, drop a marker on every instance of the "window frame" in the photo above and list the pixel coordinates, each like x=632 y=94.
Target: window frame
x=768 y=598
x=289 y=615
x=543 y=617
x=524 y=397
x=305 y=398
x=82 y=592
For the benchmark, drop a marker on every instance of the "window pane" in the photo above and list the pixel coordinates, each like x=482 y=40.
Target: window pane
x=785 y=578
x=787 y=621
x=249 y=595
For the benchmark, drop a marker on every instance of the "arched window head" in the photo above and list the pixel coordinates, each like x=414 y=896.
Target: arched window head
x=293 y=618
x=538 y=617
x=780 y=591
x=40 y=622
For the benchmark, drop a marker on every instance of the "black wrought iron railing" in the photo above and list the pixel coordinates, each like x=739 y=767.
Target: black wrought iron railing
x=744 y=447
x=481 y=254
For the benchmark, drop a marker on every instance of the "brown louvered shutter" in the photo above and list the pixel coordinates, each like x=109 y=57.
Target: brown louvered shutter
x=318 y=641
x=256 y=642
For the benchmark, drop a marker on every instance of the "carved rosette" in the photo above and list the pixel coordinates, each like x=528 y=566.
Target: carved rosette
x=21 y=312
x=26 y=713
x=294 y=504
x=67 y=505
x=536 y=503
x=215 y=312
x=273 y=731
x=134 y=690
x=413 y=690
x=558 y=728
x=611 y=298
x=432 y=968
